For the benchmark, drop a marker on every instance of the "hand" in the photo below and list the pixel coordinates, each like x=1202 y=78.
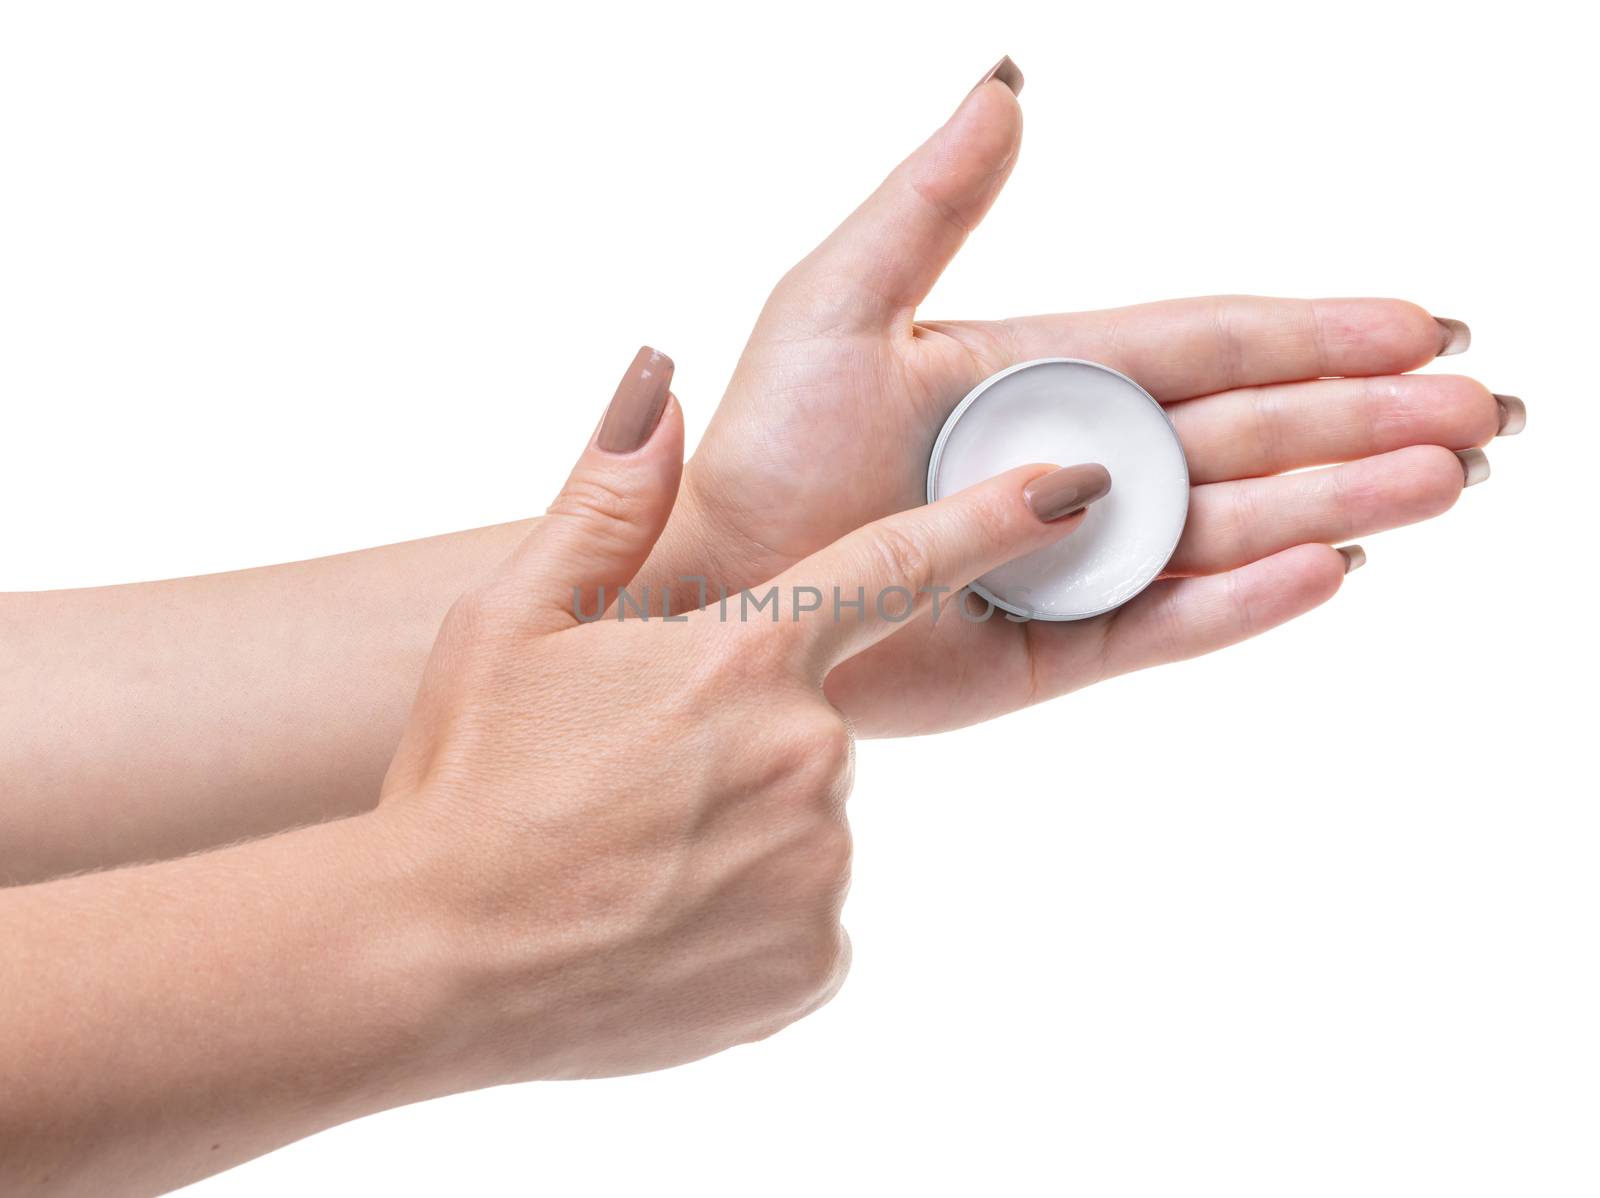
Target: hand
x=637 y=828
x=839 y=395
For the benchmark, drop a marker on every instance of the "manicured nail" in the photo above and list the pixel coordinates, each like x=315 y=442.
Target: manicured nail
x=1354 y=557
x=1474 y=466
x=1006 y=71
x=1513 y=415
x=1456 y=336
x=637 y=406
x=1067 y=490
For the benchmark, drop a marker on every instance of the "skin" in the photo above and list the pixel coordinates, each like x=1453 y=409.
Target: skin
x=841 y=392
x=188 y=734
x=601 y=848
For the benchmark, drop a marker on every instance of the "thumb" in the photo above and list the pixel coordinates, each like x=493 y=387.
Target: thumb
x=885 y=258
x=614 y=505
x=888 y=570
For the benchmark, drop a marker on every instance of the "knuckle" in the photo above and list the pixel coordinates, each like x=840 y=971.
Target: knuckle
x=605 y=508
x=1228 y=343
x=1244 y=607
x=824 y=752
x=822 y=958
x=799 y=295
x=479 y=619
x=1390 y=412
x=1349 y=494
x=1241 y=523
x=902 y=557
x=1268 y=426
x=830 y=854
x=994 y=519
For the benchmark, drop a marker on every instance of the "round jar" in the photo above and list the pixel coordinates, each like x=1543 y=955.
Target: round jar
x=1065 y=411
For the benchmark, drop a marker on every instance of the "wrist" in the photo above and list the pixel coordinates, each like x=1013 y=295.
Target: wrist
x=404 y=952
x=487 y=978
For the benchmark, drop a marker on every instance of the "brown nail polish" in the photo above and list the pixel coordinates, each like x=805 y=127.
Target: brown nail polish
x=1456 y=336
x=1354 y=557
x=1007 y=72
x=1067 y=490
x=1474 y=466
x=1513 y=415
x=636 y=408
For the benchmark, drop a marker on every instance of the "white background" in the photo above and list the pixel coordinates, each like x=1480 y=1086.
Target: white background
x=1313 y=916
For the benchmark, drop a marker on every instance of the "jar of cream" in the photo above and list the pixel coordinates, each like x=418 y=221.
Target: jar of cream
x=1065 y=411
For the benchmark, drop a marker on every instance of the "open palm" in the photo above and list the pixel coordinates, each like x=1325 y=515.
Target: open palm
x=840 y=393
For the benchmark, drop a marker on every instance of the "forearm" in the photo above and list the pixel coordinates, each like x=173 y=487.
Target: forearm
x=164 y=1022
x=142 y=722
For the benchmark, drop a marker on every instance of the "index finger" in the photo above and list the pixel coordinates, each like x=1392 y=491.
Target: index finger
x=868 y=583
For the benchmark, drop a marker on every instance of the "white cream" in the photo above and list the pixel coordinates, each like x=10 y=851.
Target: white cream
x=1064 y=411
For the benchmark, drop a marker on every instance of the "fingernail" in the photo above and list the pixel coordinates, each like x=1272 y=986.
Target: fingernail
x=1354 y=557
x=1006 y=71
x=1513 y=415
x=1457 y=336
x=1067 y=490
x=1474 y=466
x=636 y=408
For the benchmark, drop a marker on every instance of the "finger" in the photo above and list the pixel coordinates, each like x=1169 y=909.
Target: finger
x=1182 y=348
x=1267 y=430
x=883 y=260
x=1185 y=617
x=1233 y=523
x=614 y=505
x=894 y=568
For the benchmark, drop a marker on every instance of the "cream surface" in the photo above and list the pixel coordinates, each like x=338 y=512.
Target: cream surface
x=1064 y=412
